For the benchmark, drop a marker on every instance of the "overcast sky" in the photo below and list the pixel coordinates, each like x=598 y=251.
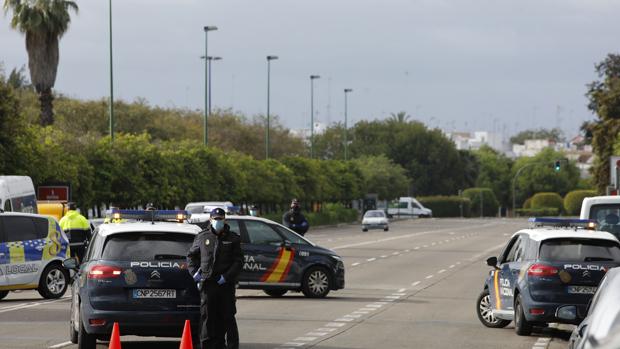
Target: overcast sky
x=462 y=64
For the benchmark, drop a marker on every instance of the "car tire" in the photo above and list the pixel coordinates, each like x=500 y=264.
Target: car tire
x=85 y=339
x=522 y=326
x=275 y=293
x=3 y=294
x=316 y=282
x=364 y=229
x=483 y=309
x=386 y=229
x=54 y=282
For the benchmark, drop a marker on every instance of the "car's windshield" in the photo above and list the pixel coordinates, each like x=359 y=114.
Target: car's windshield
x=147 y=246
x=607 y=217
x=579 y=250
x=195 y=208
x=370 y=214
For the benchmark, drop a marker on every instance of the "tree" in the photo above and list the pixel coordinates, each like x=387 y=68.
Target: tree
x=383 y=177
x=400 y=118
x=10 y=126
x=554 y=134
x=43 y=22
x=18 y=80
x=604 y=97
x=495 y=173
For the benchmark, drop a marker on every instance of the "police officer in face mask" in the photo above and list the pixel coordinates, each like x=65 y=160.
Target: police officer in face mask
x=295 y=220
x=215 y=260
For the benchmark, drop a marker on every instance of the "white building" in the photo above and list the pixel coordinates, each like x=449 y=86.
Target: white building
x=475 y=140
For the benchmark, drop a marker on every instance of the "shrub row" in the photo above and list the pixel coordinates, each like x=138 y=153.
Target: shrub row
x=574 y=199
x=537 y=212
x=489 y=203
x=447 y=206
x=570 y=205
x=330 y=214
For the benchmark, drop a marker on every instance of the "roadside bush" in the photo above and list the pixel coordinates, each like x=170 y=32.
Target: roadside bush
x=547 y=200
x=447 y=206
x=574 y=199
x=489 y=201
x=537 y=212
x=330 y=214
x=528 y=203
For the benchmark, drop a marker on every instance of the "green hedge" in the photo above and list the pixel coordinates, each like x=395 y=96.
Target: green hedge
x=330 y=214
x=528 y=203
x=537 y=212
x=490 y=202
x=547 y=200
x=447 y=206
x=573 y=200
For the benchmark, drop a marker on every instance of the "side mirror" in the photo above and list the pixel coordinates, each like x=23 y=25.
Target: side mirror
x=70 y=264
x=492 y=262
x=567 y=312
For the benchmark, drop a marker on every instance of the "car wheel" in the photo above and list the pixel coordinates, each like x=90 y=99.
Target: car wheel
x=386 y=228
x=522 y=326
x=3 y=294
x=275 y=293
x=485 y=314
x=364 y=229
x=85 y=339
x=316 y=283
x=54 y=282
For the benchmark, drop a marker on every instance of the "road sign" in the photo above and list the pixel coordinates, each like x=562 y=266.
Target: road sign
x=53 y=192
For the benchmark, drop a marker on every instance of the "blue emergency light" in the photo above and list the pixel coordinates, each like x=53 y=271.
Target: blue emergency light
x=562 y=222
x=150 y=215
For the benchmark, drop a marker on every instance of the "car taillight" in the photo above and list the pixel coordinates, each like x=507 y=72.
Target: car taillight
x=104 y=272
x=542 y=270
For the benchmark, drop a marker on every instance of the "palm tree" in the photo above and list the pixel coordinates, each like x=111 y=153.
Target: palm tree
x=400 y=117
x=43 y=22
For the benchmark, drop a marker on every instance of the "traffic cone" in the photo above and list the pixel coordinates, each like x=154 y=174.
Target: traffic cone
x=186 y=340
x=115 y=339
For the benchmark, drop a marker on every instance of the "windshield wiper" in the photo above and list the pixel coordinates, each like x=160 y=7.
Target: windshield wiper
x=169 y=256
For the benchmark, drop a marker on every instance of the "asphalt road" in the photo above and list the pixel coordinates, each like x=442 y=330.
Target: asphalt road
x=412 y=287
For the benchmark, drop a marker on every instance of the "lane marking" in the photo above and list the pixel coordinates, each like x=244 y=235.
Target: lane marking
x=430 y=276
x=305 y=339
x=60 y=345
x=323 y=329
x=441 y=271
x=371 y=259
x=355 y=264
x=452 y=266
x=334 y=324
x=416 y=248
x=402 y=290
x=293 y=344
x=34 y=304
x=415 y=283
x=344 y=319
x=384 y=256
x=316 y=334
x=395 y=253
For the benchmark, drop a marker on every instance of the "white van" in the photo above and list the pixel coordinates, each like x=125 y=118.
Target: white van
x=408 y=206
x=17 y=194
x=605 y=210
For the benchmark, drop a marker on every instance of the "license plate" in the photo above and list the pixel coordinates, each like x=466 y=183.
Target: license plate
x=581 y=289
x=154 y=293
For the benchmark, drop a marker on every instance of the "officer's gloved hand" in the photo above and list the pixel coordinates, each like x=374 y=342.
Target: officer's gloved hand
x=221 y=281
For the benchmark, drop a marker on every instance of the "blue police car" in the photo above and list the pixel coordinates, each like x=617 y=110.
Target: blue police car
x=135 y=273
x=553 y=267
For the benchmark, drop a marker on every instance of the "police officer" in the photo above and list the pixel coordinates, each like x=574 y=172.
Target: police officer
x=295 y=220
x=215 y=260
x=77 y=229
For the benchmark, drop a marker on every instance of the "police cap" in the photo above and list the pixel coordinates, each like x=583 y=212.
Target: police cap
x=218 y=212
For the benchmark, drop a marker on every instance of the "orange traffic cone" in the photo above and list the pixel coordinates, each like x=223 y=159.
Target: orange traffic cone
x=115 y=339
x=186 y=340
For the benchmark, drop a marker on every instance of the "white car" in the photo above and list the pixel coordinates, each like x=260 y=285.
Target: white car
x=375 y=219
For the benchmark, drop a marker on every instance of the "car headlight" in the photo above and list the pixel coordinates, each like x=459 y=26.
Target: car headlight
x=337 y=258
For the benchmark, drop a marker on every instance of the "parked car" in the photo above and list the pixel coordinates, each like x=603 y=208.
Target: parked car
x=603 y=319
x=375 y=219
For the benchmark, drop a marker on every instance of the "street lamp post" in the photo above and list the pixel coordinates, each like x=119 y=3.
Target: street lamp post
x=346 y=130
x=207 y=29
x=111 y=107
x=269 y=59
x=211 y=58
x=312 y=78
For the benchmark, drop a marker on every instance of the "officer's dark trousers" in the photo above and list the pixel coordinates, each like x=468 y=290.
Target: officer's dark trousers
x=232 y=334
x=217 y=313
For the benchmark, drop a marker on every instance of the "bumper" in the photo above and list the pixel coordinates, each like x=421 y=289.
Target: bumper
x=338 y=277
x=375 y=226
x=141 y=323
x=550 y=311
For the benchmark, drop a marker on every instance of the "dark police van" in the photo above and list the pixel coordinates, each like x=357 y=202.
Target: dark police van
x=545 y=274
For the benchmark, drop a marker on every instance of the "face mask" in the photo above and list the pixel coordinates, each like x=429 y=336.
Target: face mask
x=217 y=225
x=295 y=208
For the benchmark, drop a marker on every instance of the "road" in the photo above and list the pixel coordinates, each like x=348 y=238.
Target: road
x=412 y=287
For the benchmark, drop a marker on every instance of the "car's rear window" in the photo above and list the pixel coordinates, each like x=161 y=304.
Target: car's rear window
x=147 y=246
x=579 y=250
x=374 y=214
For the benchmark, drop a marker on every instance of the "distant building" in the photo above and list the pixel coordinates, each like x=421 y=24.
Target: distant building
x=575 y=150
x=304 y=133
x=475 y=140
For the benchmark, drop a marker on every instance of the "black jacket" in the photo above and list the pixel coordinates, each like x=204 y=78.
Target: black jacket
x=295 y=221
x=216 y=255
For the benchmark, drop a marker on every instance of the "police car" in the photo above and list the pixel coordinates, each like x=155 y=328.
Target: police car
x=278 y=260
x=32 y=248
x=135 y=273
x=542 y=272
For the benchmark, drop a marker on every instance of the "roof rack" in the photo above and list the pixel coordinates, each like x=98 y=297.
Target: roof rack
x=562 y=223
x=150 y=215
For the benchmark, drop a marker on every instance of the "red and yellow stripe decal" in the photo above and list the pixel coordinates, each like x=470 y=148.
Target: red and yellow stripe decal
x=280 y=268
x=498 y=303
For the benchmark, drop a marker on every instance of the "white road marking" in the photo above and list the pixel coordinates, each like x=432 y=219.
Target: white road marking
x=360 y=312
x=316 y=334
x=60 y=345
x=402 y=290
x=457 y=263
x=356 y=316
x=344 y=319
x=407 y=250
x=367 y=309
x=293 y=344
x=452 y=266
x=384 y=256
x=430 y=276
x=374 y=305
x=30 y=305
x=441 y=271
x=391 y=297
x=425 y=246
x=334 y=324
x=415 y=283
x=416 y=248
x=355 y=264
x=371 y=259
x=395 y=253
x=433 y=244
x=323 y=329
x=305 y=339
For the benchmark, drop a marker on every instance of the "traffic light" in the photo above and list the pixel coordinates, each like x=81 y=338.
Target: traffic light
x=557 y=166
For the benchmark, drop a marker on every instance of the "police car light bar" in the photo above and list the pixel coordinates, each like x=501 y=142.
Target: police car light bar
x=562 y=222
x=150 y=215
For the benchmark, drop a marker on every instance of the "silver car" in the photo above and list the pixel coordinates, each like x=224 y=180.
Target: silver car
x=375 y=219
x=602 y=324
